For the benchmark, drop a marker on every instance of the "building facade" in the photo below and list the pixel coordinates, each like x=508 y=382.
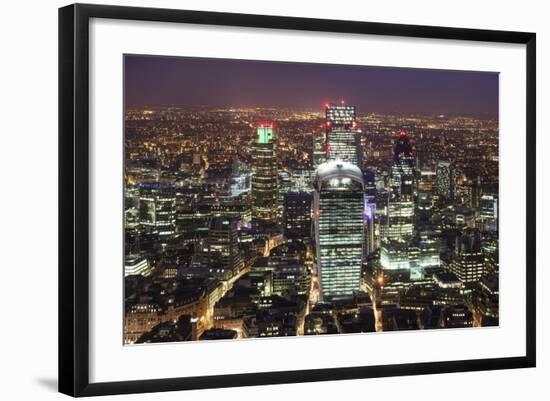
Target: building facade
x=264 y=177
x=339 y=229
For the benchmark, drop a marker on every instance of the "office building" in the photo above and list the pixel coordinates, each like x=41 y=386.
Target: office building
x=342 y=136
x=157 y=208
x=297 y=215
x=338 y=214
x=488 y=206
x=264 y=177
x=468 y=262
x=445 y=181
x=223 y=244
x=136 y=265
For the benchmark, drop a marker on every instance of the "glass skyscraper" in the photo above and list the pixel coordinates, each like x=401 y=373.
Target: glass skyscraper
x=264 y=177
x=157 y=208
x=339 y=228
x=343 y=137
x=400 y=201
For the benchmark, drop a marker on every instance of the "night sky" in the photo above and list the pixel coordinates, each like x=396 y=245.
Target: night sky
x=157 y=81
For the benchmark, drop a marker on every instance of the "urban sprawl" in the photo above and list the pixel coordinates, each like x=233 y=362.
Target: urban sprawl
x=260 y=222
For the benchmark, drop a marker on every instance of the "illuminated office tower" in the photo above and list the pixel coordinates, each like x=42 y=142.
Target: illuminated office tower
x=394 y=254
x=430 y=260
x=297 y=215
x=397 y=252
x=264 y=177
x=488 y=206
x=475 y=193
x=239 y=184
x=427 y=179
x=400 y=199
x=342 y=136
x=369 y=178
x=468 y=262
x=489 y=247
x=369 y=215
x=157 y=208
x=370 y=186
x=402 y=169
x=302 y=180
x=338 y=213
x=445 y=182
x=319 y=150
x=424 y=208
x=223 y=243
x=284 y=185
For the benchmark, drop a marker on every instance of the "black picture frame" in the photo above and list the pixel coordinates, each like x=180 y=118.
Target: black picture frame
x=74 y=198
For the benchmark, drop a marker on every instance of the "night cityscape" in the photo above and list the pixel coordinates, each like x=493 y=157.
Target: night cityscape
x=267 y=199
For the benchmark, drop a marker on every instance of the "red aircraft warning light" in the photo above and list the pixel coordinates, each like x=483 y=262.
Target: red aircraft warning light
x=402 y=133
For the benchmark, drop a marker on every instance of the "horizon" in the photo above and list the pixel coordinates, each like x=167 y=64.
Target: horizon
x=161 y=81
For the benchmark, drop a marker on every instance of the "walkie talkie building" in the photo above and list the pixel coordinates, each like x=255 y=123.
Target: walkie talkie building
x=339 y=229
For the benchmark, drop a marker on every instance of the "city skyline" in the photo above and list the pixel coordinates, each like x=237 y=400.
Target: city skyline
x=201 y=82
x=266 y=222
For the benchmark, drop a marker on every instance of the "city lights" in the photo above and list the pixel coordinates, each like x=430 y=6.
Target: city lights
x=256 y=221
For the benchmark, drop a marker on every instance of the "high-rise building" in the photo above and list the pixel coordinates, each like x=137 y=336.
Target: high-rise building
x=488 y=206
x=264 y=177
x=369 y=178
x=302 y=180
x=157 y=208
x=445 y=181
x=342 y=136
x=369 y=215
x=223 y=243
x=339 y=228
x=284 y=185
x=468 y=261
x=402 y=169
x=297 y=215
x=401 y=195
x=319 y=149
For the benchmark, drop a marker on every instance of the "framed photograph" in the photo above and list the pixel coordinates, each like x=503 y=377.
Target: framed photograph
x=250 y=199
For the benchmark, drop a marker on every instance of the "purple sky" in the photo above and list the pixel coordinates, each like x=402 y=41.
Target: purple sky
x=156 y=80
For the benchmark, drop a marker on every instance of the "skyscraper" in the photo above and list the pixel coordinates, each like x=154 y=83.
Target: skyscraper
x=297 y=215
x=157 y=208
x=223 y=243
x=264 y=177
x=397 y=253
x=400 y=199
x=319 y=151
x=342 y=136
x=489 y=212
x=468 y=262
x=445 y=185
x=402 y=169
x=284 y=185
x=339 y=208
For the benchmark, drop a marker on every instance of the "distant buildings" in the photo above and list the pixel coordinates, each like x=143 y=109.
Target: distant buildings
x=338 y=212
